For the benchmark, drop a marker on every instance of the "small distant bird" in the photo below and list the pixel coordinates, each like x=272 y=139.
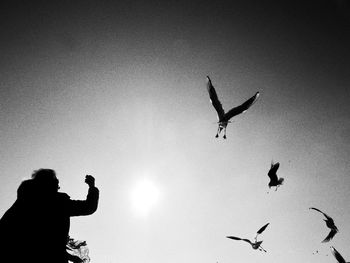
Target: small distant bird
x=337 y=256
x=330 y=224
x=224 y=118
x=274 y=180
x=256 y=244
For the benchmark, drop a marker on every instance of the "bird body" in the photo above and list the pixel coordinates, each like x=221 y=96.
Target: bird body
x=274 y=180
x=224 y=118
x=330 y=224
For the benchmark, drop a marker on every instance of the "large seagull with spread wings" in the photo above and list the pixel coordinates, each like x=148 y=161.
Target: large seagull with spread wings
x=255 y=244
x=330 y=224
x=224 y=118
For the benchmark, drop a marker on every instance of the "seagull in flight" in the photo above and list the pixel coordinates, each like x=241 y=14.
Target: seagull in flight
x=274 y=180
x=256 y=244
x=330 y=224
x=337 y=256
x=224 y=118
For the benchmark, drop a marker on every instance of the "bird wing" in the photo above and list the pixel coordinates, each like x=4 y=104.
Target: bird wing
x=274 y=167
x=238 y=238
x=246 y=240
x=327 y=216
x=316 y=209
x=234 y=238
x=241 y=108
x=214 y=99
x=337 y=255
x=272 y=172
x=330 y=236
x=262 y=229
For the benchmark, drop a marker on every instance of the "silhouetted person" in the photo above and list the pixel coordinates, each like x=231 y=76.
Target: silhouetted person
x=36 y=227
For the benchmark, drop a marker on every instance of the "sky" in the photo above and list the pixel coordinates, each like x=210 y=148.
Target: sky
x=117 y=89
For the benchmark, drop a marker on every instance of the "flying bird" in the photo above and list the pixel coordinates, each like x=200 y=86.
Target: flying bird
x=330 y=224
x=224 y=118
x=337 y=256
x=274 y=180
x=256 y=244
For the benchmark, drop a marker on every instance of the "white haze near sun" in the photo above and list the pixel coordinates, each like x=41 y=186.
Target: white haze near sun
x=144 y=196
x=126 y=101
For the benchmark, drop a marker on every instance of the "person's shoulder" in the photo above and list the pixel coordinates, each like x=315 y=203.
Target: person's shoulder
x=26 y=189
x=63 y=196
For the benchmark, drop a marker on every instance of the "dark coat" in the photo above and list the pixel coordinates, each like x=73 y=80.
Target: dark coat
x=36 y=227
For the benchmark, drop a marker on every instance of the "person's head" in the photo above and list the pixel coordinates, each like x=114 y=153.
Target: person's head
x=46 y=179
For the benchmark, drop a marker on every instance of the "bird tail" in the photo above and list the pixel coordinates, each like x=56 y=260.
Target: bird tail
x=281 y=180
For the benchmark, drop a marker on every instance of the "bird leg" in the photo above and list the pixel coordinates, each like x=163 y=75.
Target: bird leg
x=261 y=249
x=217 y=132
x=224 y=133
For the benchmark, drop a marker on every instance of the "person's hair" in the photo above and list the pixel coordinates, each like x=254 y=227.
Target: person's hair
x=46 y=179
x=43 y=174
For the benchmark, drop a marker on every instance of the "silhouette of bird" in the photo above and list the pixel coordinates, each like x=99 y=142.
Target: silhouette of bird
x=224 y=118
x=274 y=180
x=337 y=256
x=256 y=244
x=330 y=224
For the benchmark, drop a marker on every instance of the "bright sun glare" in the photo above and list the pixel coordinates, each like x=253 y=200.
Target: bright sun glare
x=144 y=196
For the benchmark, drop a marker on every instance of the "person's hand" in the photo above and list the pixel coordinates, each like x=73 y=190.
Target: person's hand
x=90 y=180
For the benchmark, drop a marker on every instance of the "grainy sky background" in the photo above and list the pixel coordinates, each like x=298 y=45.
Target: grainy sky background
x=117 y=89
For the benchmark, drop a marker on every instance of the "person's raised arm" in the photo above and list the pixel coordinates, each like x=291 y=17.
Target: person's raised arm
x=88 y=206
